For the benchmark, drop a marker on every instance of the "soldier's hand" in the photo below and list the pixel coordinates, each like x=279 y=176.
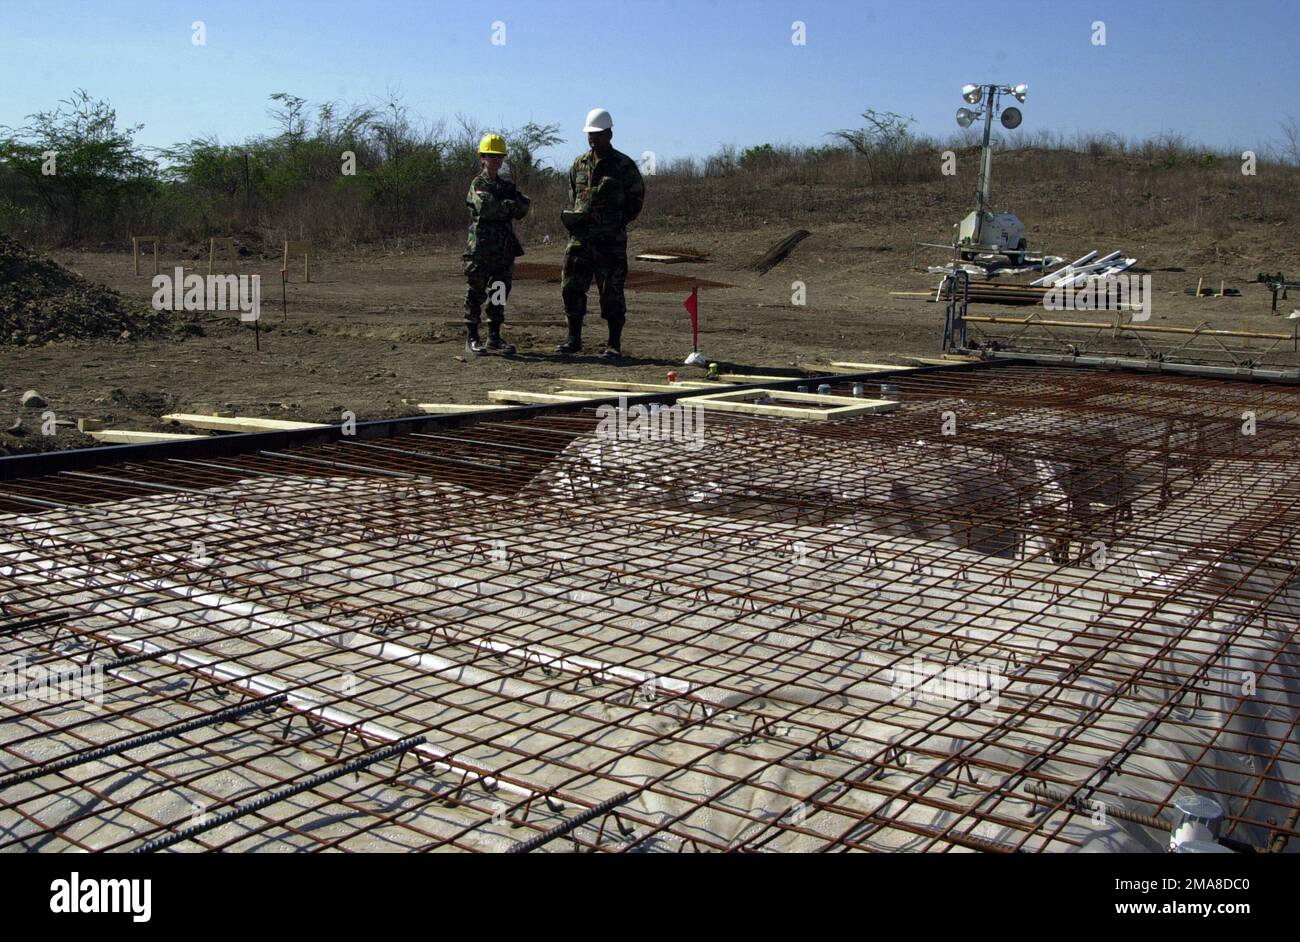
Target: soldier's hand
x=510 y=207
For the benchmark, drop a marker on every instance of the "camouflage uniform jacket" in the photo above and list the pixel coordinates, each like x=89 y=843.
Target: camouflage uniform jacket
x=493 y=206
x=610 y=190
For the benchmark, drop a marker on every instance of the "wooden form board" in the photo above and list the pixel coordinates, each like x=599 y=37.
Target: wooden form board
x=738 y=400
x=234 y=424
x=757 y=378
x=300 y=246
x=946 y=361
x=122 y=436
x=592 y=393
x=610 y=393
x=534 y=399
x=443 y=408
x=718 y=382
x=638 y=387
x=715 y=383
x=229 y=243
x=1206 y=331
x=731 y=400
x=135 y=251
x=874 y=367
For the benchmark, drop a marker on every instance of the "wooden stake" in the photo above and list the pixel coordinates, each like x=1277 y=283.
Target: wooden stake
x=135 y=251
x=303 y=246
x=230 y=250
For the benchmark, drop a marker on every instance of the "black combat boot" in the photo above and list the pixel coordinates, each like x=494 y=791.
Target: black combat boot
x=574 y=342
x=614 y=349
x=495 y=343
x=473 y=344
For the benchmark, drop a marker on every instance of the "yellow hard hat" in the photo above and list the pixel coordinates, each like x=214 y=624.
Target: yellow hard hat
x=492 y=144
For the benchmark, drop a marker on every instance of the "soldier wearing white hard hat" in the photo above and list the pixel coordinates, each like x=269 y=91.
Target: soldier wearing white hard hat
x=606 y=193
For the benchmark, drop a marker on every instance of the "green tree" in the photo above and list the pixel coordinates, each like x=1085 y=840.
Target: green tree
x=524 y=143
x=887 y=144
x=757 y=158
x=95 y=163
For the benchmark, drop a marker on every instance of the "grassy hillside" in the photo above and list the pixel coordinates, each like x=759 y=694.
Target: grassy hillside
x=350 y=175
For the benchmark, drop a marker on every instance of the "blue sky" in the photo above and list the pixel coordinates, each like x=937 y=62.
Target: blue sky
x=680 y=77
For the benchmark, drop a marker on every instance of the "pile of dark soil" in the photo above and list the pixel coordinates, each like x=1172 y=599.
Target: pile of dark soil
x=40 y=300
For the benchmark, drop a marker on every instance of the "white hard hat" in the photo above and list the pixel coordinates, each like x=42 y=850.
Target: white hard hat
x=598 y=119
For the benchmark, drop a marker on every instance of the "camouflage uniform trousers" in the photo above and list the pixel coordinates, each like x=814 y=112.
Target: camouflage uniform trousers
x=481 y=277
x=606 y=260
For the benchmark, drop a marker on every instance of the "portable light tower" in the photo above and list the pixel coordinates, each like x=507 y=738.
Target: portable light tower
x=984 y=231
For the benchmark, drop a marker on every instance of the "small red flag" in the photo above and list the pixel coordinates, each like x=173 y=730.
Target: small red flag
x=692 y=304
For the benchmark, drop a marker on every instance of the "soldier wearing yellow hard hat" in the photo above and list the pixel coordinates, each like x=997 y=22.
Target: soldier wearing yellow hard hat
x=494 y=204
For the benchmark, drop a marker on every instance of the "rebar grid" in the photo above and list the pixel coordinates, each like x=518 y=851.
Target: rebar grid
x=718 y=637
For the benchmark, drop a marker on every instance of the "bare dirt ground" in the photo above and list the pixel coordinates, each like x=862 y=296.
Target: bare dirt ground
x=377 y=331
